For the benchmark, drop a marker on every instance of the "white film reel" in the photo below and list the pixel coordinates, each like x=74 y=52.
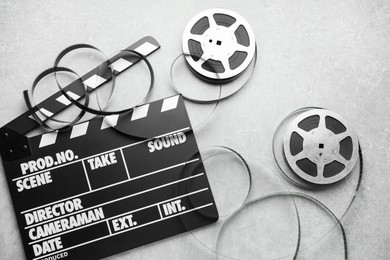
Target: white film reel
x=320 y=146
x=221 y=41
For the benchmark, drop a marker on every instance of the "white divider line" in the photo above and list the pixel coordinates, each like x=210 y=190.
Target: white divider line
x=86 y=176
x=124 y=162
x=112 y=201
x=112 y=150
x=109 y=228
x=127 y=230
x=173 y=132
x=159 y=211
x=81 y=194
x=117 y=216
x=167 y=168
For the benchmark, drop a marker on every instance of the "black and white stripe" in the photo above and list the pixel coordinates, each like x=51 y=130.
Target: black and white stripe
x=139 y=113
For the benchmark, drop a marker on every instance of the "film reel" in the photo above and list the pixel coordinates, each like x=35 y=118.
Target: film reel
x=320 y=146
x=224 y=41
x=312 y=134
x=229 y=52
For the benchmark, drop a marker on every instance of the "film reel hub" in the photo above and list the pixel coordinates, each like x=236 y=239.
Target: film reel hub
x=320 y=147
x=221 y=44
x=218 y=43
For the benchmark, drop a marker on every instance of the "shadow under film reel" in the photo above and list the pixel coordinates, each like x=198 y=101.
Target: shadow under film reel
x=222 y=42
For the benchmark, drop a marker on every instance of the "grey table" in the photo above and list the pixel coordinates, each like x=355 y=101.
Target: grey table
x=332 y=54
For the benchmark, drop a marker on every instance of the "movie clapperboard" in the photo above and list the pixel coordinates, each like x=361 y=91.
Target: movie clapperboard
x=92 y=191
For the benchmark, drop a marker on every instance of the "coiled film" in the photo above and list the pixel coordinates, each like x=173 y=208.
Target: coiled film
x=262 y=182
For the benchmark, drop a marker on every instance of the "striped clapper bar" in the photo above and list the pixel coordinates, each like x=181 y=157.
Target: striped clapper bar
x=92 y=191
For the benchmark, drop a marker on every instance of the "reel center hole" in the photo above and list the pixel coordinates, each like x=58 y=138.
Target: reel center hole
x=218 y=42
x=321 y=146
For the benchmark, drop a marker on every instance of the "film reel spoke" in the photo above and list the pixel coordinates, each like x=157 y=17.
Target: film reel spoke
x=196 y=37
x=242 y=48
x=320 y=169
x=212 y=23
x=299 y=156
x=234 y=27
x=304 y=134
x=341 y=159
x=201 y=59
x=322 y=122
x=226 y=64
x=342 y=136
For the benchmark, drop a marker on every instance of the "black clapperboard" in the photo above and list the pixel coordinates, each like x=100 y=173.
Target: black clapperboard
x=93 y=191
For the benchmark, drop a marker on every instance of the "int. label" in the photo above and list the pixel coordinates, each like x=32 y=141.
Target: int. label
x=173 y=207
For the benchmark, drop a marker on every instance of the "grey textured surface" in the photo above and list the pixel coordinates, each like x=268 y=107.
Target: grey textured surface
x=333 y=54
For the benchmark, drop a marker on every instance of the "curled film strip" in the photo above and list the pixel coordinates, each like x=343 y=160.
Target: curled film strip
x=44 y=117
x=216 y=92
x=247 y=232
x=102 y=112
x=127 y=112
x=231 y=241
x=105 y=67
x=231 y=179
x=40 y=114
x=103 y=71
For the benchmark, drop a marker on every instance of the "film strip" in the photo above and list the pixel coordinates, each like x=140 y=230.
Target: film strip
x=93 y=80
x=91 y=192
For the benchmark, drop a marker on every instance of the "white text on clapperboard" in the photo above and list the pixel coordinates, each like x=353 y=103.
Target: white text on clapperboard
x=60 y=225
x=45 y=223
x=41 y=164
